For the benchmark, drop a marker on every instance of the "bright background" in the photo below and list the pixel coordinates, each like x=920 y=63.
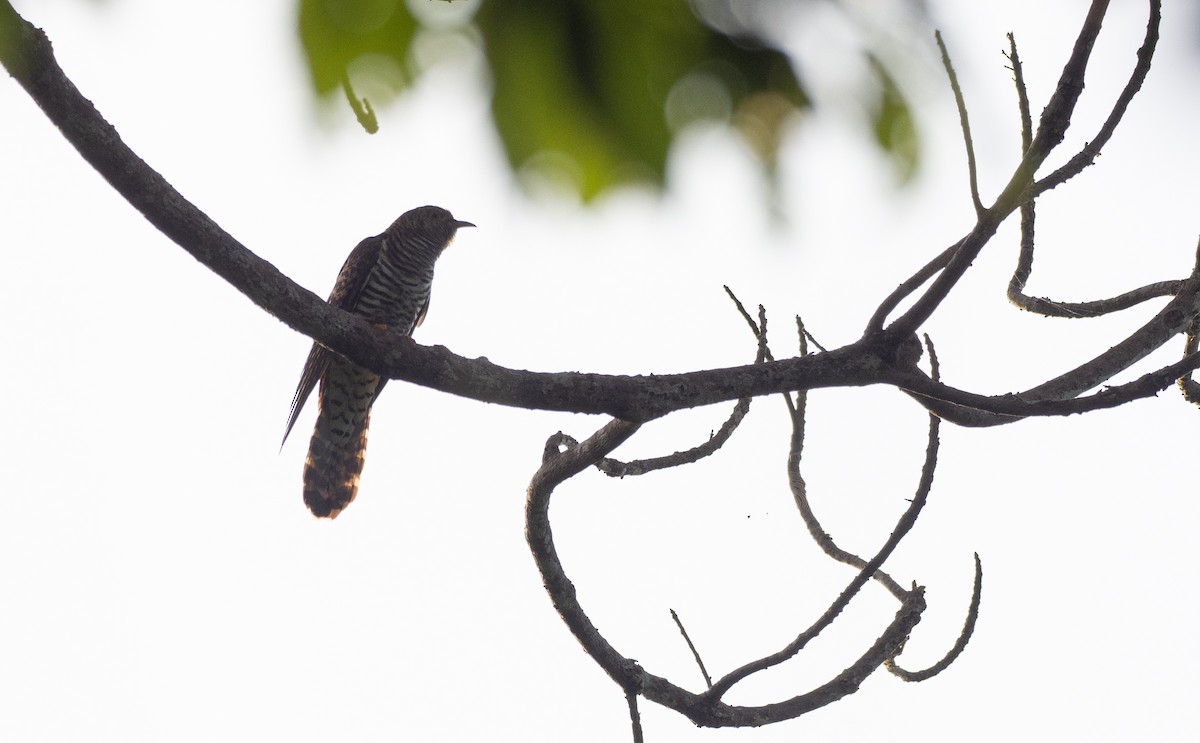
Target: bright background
x=160 y=578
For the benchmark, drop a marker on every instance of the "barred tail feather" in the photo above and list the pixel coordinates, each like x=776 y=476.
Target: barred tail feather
x=332 y=469
x=339 y=440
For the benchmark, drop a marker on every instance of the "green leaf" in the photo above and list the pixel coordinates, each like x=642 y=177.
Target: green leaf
x=892 y=122
x=583 y=86
x=592 y=92
x=338 y=33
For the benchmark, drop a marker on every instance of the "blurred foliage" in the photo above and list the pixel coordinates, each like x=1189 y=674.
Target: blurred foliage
x=592 y=92
x=894 y=128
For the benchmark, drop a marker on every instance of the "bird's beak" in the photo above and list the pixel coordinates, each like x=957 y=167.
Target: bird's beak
x=458 y=224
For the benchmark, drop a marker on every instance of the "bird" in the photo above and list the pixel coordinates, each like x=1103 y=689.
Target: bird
x=387 y=280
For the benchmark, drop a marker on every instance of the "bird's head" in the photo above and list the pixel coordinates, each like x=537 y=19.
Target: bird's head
x=432 y=223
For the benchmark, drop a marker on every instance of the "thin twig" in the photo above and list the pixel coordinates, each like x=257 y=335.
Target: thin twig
x=822 y=538
x=960 y=644
x=907 y=287
x=754 y=327
x=978 y=411
x=806 y=338
x=964 y=122
x=1022 y=94
x=1094 y=308
x=800 y=495
x=617 y=468
x=1056 y=117
x=1020 y=278
x=695 y=653
x=905 y=524
x=563 y=459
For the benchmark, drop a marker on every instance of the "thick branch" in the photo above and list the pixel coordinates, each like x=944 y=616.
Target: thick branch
x=26 y=53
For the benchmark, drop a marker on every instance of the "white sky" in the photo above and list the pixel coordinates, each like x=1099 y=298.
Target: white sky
x=162 y=579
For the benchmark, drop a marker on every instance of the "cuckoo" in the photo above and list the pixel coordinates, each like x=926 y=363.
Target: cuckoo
x=386 y=280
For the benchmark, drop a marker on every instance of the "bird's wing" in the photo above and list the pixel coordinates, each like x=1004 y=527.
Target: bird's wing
x=416 y=323
x=346 y=290
x=314 y=369
x=355 y=272
x=421 y=314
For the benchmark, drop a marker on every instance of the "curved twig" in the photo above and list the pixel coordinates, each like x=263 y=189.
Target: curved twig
x=703 y=709
x=1055 y=120
x=960 y=644
x=1084 y=158
x=1096 y=307
x=800 y=490
x=617 y=468
x=903 y=526
x=800 y=495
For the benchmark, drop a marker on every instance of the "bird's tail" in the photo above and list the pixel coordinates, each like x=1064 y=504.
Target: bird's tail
x=332 y=470
x=339 y=441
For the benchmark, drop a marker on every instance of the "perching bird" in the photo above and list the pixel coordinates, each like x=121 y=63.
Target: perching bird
x=386 y=280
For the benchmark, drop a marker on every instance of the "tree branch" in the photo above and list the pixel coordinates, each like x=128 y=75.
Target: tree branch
x=27 y=54
x=960 y=644
x=563 y=459
x=964 y=123
x=1056 y=117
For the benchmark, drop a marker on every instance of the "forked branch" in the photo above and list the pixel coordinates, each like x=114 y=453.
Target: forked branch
x=563 y=459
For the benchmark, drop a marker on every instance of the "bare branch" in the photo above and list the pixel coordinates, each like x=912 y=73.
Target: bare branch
x=759 y=331
x=1094 y=308
x=617 y=468
x=800 y=496
x=1056 y=117
x=959 y=645
x=28 y=56
x=1188 y=386
x=907 y=287
x=963 y=121
x=1087 y=155
x=806 y=337
x=1020 y=278
x=1022 y=95
x=972 y=410
x=563 y=459
x=903 y=526
x=635 y=718
x=695 y=653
